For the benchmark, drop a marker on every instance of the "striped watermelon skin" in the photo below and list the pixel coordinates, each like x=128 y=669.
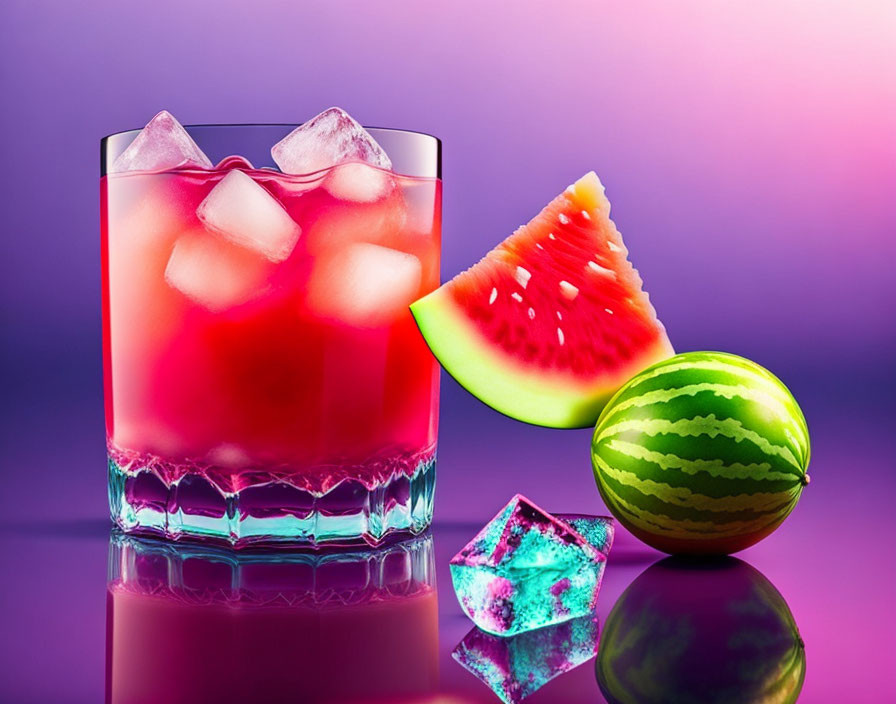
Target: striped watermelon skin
x=702 y=453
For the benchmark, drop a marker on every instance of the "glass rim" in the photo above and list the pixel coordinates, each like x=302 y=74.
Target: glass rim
x=406 y=143
x=137 y=130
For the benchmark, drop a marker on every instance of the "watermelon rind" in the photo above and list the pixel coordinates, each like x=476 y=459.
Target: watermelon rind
x=538 y=399
x=702 y=453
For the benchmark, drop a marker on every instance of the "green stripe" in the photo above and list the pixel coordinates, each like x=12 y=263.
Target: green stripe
x=693 y=502
x=649 y=509
x=727 y=370
x=685 y=528
x=753 y=416
x=699 y=364
x=720 y=449
x=780 y=413
x=700 y=425
x=710 y=477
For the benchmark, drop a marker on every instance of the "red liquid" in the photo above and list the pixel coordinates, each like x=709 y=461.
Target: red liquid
x=287 y=373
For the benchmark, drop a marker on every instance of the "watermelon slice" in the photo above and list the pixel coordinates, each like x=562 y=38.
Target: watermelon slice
x=552 y=321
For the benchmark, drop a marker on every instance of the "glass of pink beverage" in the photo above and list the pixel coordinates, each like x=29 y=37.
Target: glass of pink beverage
x=264 y=379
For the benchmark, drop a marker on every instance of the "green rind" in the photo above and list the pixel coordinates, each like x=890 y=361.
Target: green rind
x=702 y=452
x=495 y=379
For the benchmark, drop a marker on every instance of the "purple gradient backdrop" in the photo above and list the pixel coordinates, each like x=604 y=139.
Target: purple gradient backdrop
x=749 y=151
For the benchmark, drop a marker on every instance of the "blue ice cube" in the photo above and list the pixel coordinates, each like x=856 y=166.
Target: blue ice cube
x=528 y=569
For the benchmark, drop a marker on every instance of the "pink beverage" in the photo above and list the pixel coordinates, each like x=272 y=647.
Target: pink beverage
x=192 y=625
x=264 y=378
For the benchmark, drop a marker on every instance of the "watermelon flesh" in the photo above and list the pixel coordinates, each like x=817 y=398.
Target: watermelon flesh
x=550 y=323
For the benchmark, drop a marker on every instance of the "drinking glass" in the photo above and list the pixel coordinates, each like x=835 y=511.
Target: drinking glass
x=251 y=400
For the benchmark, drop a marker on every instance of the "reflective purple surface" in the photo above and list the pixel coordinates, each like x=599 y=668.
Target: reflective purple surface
x=832 y=561
x=749 y=153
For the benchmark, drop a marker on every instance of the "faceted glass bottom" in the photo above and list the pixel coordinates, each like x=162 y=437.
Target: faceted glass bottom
x=275 y=512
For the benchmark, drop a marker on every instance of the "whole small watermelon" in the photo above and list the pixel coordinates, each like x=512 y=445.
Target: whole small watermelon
x=695 y=631
x=702 y=453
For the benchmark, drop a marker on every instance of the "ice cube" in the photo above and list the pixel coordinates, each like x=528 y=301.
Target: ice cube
x=229 y=455
x=597 y=530
x=342 y=224
x=517 y=666
x=358 y=182
x=364 y=284
x=246 y=214
x=528 y=569
x=214 y=272
x=330 y=138
x=163 y=144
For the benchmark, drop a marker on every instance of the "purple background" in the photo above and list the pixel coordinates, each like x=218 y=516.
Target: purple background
x=749 y=151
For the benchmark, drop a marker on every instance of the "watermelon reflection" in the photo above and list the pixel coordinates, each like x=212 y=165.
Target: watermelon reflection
x=689 y=631
x=198 y=624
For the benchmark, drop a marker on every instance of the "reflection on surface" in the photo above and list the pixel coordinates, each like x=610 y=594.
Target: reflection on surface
x=197 y=624
x=701 y=632
x=515 y=667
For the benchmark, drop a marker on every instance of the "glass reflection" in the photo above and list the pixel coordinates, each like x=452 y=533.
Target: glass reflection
x=196 y=624
x=688 y=631
x=517 y=666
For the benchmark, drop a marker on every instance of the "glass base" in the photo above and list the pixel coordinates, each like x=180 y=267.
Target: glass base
x=272 y=513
